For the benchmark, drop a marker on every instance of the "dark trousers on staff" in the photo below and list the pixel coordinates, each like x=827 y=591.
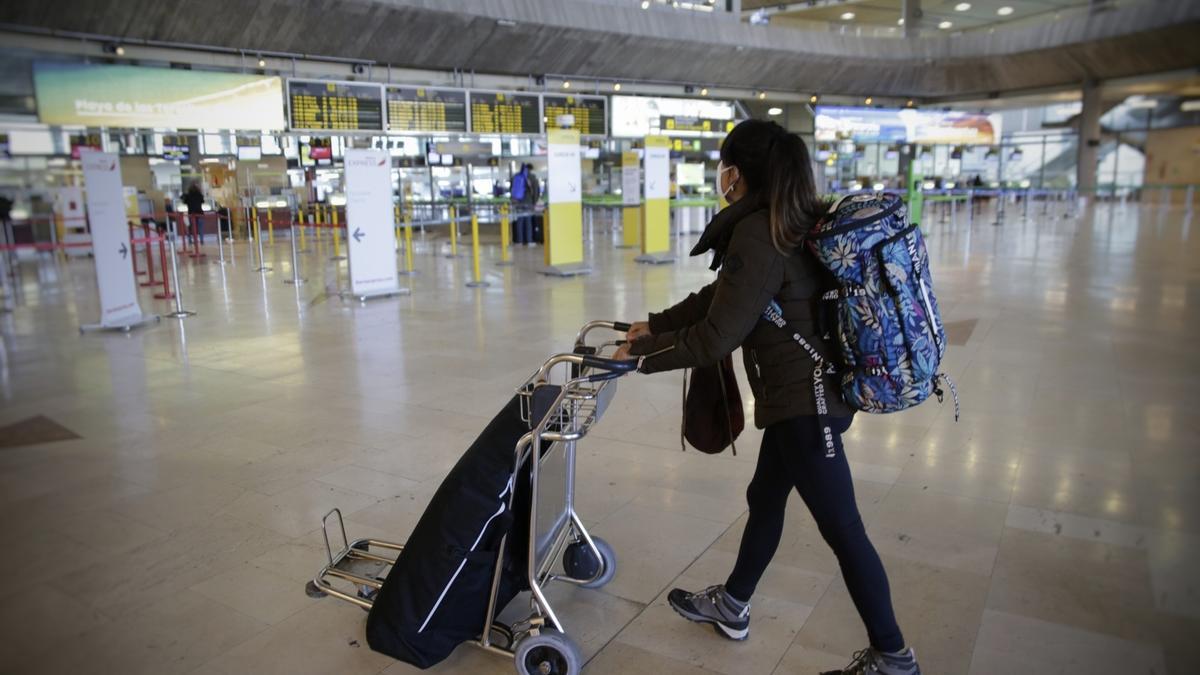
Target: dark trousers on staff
x=793 y=456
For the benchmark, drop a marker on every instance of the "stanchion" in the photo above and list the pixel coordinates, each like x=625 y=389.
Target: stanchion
x=180 y=312
x=396 y=223
x=1026 y=216
x=270 y=228
x=296 y=279
x=505 y=237
x=478 y=281
x=408 y=244
x=303 y=228
x=133 y=254
x=337 y=239
x=149 y=258
x=453 y=233
x=262 y=263
x=162 y=260
x=220 y=242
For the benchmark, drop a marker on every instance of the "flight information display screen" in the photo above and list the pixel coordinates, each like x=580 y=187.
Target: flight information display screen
x=505 y=113
x=424 y=109
x=590 y=112
x=334 y=106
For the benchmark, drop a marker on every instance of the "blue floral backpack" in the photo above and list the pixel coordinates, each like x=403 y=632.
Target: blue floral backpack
x=883 y=315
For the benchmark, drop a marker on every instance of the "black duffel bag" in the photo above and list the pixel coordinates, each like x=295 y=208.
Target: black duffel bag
x=436 y=595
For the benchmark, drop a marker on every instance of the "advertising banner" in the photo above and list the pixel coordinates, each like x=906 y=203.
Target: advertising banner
x=136 y=97
x=564 y=231
x=371 y=238
x=631 y=197
x=110 y=240
x=906 y=125
x=656 y=208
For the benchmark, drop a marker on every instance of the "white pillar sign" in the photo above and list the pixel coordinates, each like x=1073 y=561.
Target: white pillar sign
x=658 y=172
x=110 y=241
x=371 y=239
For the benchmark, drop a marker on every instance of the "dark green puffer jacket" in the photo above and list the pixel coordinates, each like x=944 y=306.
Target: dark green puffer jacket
x=727 y=314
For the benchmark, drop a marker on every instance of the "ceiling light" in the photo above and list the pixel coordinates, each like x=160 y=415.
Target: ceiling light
x=962 y=7
x=774 y=111
x=645 y=4
x=847 y=16
x=945 y=25
x=910 y=103
x=868 y=101
x=1005 y=10
x=762 y=95
x=567 y=84
x=120 y=50
x=1190 y=106
x=262 y=63
x=1142 y=103
x=704 y=91
x=813 y=99
x=616 y=86
x=900 y=22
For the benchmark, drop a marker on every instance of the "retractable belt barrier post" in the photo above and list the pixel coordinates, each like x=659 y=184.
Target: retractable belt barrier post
x=296 y=279
x=408 y=243
x=180 y=312
x=337 y=238
x=270 y=227
x=149 y=258
x=133 y=258
x=505 y=253
x=478 y=281
x=453 y=233
x=303 y=227
x=262 y=263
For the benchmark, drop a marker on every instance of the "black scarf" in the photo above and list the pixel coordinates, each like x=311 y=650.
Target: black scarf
x=719 y=230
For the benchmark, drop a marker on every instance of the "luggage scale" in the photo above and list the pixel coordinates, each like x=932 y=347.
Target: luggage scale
x=559 y=416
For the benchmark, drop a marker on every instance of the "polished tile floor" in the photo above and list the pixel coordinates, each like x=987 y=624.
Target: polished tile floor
x=1054 y=529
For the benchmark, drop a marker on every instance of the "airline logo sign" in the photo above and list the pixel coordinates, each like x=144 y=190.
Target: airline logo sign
x=110 y=239
x=371 y=242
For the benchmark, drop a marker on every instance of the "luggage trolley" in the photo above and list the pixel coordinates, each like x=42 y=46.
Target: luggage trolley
x=559 y=416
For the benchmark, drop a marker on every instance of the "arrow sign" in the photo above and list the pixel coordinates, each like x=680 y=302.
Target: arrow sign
x=358 y=234
x=124 y=251
x=571 y=188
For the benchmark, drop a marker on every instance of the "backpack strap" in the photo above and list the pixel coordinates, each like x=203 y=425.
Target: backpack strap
x=774 y=314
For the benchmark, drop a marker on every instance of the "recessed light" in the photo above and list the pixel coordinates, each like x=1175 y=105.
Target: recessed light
x=704 y=91
x=1190 y=106
x=262 y=63
x=900 y=22
x=567 y=84
x=1005 y=10
x=868 y=101
x=847 y=16
x=945 y=25
x=616 y=86
x=962 y=7
x=120 y=51
x=762 y=95
x=645 y=4
x=813 y=99
x=774 y=111
x=910 y=103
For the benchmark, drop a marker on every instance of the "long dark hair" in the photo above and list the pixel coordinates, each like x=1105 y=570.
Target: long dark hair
x=776 y=167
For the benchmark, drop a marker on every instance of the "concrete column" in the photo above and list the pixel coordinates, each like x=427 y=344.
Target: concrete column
x=1089 y=140
x=911 y=11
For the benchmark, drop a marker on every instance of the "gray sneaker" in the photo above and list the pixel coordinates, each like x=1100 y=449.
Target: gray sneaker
x=730 y=618
x=873 y=662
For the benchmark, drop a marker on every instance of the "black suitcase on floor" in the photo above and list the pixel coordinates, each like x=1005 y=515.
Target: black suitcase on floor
x=437 y=592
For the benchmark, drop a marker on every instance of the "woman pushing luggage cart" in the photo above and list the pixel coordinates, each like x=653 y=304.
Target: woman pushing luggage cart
x=498 y=525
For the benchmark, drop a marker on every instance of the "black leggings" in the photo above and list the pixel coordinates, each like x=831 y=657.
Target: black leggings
x=793 y=456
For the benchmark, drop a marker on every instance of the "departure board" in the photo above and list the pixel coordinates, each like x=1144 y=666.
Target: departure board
x=676 y=123
x=504 y=113
x=423 y=109
x=334 y=106
x=590 y=112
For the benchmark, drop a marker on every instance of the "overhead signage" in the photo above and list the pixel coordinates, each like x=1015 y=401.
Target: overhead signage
x=505 y=113
x=119 y=96
x=639 y=116
x=371 y=241
x=673 y=123
x=589 y=114
x=426 y=109
x=906 y=125
x=110 y=239
x=80 y=142
x=176 y=148
x=318 y=105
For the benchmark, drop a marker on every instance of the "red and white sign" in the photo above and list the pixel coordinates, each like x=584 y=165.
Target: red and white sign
x=370 y=236
x=110 y=239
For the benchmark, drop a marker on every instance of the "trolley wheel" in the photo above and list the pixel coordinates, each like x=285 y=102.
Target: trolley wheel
x=548 y=653
x=312 y=591
x=580 y=562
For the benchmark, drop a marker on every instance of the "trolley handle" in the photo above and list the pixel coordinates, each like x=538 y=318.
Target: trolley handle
x=612 y=367
x=621 y=326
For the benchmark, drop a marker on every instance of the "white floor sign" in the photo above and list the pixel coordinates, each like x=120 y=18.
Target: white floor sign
x=371 y=238
x=110 y=241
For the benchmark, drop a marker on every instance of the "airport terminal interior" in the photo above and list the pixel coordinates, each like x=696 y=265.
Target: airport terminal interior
x=271 y=269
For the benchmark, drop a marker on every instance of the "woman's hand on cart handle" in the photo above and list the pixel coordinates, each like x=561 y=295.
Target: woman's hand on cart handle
x=636 y=330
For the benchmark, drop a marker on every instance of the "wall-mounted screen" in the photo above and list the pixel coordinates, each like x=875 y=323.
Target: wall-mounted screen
x=636 y=116
x=424 y=109
x=906 y=125
x=316 y=105
x=505 y=113
x=590 y=113
x=120 y=96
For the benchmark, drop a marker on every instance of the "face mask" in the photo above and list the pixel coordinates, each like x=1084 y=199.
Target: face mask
x=723 y=194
